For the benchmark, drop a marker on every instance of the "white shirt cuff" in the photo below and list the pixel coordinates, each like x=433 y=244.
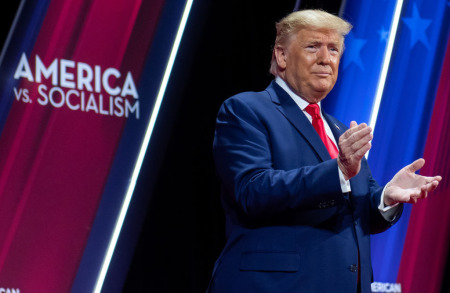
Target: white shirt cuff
x=345 y=184
x=388 y=212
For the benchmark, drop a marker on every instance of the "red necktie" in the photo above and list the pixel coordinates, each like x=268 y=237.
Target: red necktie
x=317 y=122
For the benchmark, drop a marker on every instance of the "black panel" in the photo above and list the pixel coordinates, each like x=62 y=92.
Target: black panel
x=7 y=13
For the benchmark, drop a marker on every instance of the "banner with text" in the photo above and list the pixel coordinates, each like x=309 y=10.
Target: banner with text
x=79 y=82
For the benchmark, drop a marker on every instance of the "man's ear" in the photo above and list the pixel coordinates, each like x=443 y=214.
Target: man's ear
x=280 y=56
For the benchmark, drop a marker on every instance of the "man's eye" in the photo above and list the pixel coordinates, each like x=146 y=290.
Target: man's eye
x=334 y=50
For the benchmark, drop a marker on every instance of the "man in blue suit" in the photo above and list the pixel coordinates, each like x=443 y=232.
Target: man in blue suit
x=300 y=205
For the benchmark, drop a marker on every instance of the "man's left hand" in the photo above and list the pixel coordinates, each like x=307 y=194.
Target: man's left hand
x=407 y=186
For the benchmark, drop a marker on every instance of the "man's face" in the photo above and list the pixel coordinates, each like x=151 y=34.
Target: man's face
x=309 y=64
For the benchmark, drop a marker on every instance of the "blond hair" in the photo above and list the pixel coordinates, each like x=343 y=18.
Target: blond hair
x=310 y=19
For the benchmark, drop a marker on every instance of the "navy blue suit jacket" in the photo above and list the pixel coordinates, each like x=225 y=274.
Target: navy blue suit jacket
x=289 y=226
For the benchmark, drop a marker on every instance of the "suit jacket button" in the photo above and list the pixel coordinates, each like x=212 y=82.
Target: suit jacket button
x=353 y=268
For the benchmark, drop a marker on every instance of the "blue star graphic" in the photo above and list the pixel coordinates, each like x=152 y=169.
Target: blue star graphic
x=384 y=34
x=418 y=26
x=353 y=51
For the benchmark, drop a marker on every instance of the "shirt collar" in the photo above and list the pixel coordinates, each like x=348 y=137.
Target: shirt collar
x=302 y=103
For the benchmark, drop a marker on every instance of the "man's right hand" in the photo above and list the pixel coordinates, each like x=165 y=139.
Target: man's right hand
x=353 y=146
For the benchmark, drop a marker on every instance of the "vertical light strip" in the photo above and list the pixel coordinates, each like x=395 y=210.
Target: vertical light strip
x=144 y=146
x=386 y=62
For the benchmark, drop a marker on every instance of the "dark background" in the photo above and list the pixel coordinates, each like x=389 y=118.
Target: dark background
x=226 y=49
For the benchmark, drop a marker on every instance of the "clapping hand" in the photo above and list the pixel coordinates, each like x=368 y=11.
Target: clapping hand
x=353 y=146
x=407 y=186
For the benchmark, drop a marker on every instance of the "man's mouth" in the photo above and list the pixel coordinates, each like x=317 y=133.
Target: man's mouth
x=322 y=74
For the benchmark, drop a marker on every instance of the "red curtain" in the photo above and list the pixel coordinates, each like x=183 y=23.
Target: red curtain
x=427 y=240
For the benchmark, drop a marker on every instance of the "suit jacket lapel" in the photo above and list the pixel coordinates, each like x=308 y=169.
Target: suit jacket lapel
x=292 y=112
x=335 y=126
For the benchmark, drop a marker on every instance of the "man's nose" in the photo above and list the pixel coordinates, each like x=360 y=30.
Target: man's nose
x=323 y=56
